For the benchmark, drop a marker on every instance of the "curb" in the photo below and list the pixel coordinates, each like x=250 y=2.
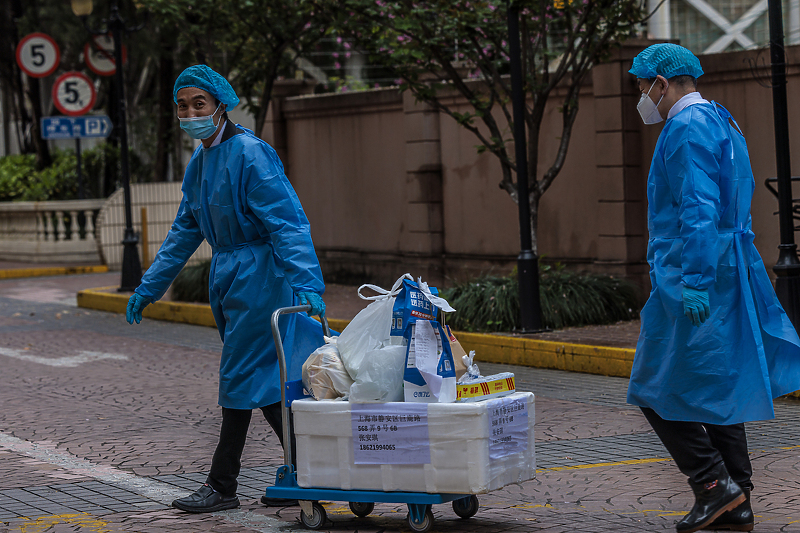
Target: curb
x=489 y=348
x=505 y=349
x=52 y=271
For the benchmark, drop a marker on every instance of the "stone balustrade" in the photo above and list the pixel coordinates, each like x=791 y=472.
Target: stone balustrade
x=50 y=232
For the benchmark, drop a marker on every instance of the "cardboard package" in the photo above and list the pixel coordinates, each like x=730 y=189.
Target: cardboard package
x=458 y=354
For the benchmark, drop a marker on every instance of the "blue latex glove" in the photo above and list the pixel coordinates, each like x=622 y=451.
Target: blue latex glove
x=136 y=305
x=695 y=305
x=314 y=300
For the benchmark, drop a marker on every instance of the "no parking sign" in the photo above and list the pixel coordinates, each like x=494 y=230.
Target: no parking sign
x=99 y=55
x=38 y=55
x=73 y=93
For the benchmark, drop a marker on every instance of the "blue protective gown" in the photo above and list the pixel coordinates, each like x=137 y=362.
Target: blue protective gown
x=730 y=368
x=237 y=197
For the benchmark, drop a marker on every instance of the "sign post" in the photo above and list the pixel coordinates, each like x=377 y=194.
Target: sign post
x=73 y=95
x=76 y=128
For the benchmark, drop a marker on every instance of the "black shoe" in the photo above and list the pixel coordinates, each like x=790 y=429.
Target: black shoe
x=710 y=501
x=739 y=519
x=206 y=500
x=278 y=502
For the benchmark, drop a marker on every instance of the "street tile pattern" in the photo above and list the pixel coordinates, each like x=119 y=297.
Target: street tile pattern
x=153 y=414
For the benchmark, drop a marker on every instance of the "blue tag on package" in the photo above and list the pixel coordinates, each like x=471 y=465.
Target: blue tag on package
x=429 y=374
x=411 y=304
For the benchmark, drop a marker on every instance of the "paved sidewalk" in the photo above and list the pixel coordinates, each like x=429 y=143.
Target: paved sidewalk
x=103 y=424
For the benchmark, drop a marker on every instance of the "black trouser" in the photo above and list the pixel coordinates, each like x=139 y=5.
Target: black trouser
x=227 y=460
x=700 y=450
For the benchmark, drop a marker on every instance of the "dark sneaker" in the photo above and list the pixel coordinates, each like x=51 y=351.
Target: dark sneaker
x=206 y=500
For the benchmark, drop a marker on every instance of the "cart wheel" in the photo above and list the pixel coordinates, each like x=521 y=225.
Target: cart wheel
x=361 y=509
x=466 y=507
x=424 y=525
x=317 y=518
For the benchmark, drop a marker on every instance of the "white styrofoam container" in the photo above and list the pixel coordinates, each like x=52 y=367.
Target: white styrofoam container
x=459 y=435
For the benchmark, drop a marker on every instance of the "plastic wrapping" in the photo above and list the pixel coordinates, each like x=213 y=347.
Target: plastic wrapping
x=324 y=374
x=461 y=440
x=380 y=376
x=370 y=328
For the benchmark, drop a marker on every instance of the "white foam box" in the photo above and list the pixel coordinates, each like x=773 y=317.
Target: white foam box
x=459 y=441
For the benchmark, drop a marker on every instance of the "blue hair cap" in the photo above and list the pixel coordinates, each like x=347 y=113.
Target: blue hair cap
x=203 y=77
x=667 y=60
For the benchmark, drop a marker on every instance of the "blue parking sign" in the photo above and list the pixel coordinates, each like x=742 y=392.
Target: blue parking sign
x=75 y=127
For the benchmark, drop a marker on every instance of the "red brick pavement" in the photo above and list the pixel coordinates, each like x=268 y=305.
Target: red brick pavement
x=154 y=412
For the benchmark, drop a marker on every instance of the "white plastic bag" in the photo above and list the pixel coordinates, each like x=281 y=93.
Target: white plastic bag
x=324 y=374
x=380 y=376
x=370 y=328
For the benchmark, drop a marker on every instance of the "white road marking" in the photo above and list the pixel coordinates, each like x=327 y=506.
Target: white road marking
x=65 y=361
x=163 y=493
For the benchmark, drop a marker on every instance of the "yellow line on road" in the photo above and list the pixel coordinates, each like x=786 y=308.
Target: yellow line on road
x=598 y=465
x=43 y=523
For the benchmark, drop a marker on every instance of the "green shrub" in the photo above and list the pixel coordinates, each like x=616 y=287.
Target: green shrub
x=491 y=303
x=15 y=171
x=19 y=179
x=191 y=285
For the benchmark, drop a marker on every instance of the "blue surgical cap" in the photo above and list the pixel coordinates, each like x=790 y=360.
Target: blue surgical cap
x=666 y=59
x=203 y=77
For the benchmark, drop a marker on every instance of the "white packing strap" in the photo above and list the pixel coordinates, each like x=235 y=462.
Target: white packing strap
x=383 y=293
x=441 y=303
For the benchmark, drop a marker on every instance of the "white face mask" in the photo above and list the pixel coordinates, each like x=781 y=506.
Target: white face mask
x=649 y=110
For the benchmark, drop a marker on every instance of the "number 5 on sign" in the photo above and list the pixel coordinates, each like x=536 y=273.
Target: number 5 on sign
x=73 y=94
x=38 y=55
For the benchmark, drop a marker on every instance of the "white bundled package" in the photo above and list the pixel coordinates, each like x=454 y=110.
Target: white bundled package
x=459 y=448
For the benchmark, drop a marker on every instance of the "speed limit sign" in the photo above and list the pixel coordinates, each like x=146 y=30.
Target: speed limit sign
x=38 y=55
x=73 y=94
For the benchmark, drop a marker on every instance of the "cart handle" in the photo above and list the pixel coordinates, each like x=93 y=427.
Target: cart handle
x=276 y=335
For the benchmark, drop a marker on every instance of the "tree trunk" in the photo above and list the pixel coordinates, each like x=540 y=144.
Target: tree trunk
x=111 y=168
x=266 y=95
x=41 y=147
x=534 y=201
x=166 y=119
x=12 y=75
x=43 y=159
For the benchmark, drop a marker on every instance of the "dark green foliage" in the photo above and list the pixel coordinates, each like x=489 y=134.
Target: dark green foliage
x=191 y=285
x=491 y=303
x=20 y=181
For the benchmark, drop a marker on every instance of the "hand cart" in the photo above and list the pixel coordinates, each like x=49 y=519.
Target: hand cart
x=362 y=502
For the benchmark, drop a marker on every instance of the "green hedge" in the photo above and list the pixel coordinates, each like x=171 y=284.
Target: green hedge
x=491 y=303
x=191 y=284
x=20 y=181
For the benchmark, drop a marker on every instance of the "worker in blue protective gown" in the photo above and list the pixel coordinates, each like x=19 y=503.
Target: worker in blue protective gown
x=715 y=346
x=237 y=197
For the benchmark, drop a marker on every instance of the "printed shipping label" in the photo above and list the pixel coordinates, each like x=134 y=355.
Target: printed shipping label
x=508 y=427
x=390 y=433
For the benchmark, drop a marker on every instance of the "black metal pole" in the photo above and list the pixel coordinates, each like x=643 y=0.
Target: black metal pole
x=131 y=265
x=81 y=195
x=787 y=268
x=527 y=262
